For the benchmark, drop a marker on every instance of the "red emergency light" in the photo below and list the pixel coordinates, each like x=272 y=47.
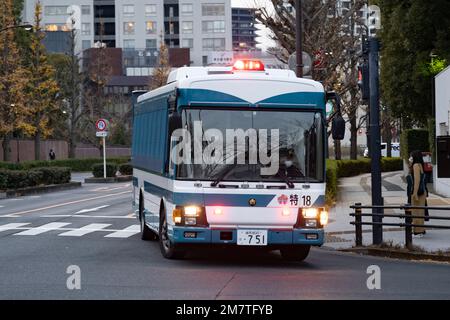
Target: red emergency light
x=248 y=65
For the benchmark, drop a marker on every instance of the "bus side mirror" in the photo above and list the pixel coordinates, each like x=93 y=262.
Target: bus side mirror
x=338 y=127
x=338 y=122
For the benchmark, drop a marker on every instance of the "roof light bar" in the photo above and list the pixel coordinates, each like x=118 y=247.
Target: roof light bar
x=248 y=65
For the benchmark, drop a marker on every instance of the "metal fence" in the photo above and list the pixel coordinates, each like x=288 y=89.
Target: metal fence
x=407 y=224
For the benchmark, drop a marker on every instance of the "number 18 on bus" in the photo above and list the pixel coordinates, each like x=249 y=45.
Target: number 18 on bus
x=232 y=156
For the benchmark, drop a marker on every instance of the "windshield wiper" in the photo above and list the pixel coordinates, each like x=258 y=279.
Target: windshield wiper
x=224 y=173
x=286 y=179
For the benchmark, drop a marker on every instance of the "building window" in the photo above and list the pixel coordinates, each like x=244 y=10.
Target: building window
x=86 y=29
x=85 y=10
x=187 y=43
x=213 y=26
x=56 y=10
x=56 y=27
x=128 y=27
x=187 y=27
x=128 y=44
x=187 y=9
x=151 y=43
x=213 y=9
x=150 y=27
x=214 y=44
x=85 y=44
x=150 y=9
x=128 y=10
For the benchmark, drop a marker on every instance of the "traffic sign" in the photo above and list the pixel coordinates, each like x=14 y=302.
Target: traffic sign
x=102 y=134
x=307 y=62
x=101 y=124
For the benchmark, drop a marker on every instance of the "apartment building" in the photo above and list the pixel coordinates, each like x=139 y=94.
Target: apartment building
x=202 y=26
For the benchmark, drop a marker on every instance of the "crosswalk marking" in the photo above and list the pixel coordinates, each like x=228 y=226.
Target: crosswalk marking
x=125 y=233
x=85 y=230
x=46 y=227
x=12 y=226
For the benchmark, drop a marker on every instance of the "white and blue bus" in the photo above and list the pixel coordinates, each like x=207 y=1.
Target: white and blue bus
x=189 y=204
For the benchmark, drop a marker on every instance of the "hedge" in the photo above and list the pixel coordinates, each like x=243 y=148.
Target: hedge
x=349 y=168
x=412 y=140
x=126 y=169
x=111 y=170
x=16 y=179
x=78 y=165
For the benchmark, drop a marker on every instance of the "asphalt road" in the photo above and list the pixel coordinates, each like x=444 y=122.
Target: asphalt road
x=93 y=228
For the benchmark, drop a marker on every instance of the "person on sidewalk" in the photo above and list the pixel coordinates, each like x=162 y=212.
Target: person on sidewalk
x=417 y=193
x=52 y=155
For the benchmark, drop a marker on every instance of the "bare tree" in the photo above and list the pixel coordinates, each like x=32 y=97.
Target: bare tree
x=330 y=35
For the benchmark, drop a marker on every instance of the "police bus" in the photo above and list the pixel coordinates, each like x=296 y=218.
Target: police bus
x=232 y=156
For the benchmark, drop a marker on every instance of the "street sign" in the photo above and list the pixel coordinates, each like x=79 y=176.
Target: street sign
x=101 y=124
x=102 y=134
x=307 y=62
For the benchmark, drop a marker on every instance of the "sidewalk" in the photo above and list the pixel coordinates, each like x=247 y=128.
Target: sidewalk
x=341 y=234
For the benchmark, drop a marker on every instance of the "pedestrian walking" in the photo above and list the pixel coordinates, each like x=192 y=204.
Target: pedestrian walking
x=417 y=191
x=52 y=155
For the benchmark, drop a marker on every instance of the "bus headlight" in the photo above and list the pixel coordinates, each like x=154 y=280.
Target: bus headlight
x=192 y=211
x=310 y=213
x=323 y=218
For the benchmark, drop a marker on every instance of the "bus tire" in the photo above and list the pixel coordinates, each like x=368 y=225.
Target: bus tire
x=146 y=233
x=168 y=249
x=295 y=253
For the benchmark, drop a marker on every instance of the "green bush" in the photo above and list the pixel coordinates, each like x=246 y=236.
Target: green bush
x=331 y=182
x=3 y=179
x=351 y=168
x=126 y=169
x=391 y=164
x=16 y=179
x=77 y=165
x=412 y=140
x=111 y=170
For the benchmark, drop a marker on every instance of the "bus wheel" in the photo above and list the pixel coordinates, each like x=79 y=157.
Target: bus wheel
x=146 y=233
x=168 y=249
x=295 y=253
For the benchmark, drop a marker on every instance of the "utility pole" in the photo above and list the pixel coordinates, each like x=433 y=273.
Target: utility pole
x=298 y=37
x=375 y=133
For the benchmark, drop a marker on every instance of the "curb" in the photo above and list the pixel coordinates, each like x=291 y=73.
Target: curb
x=40 y=189
x=398 y=254
x=109 y=180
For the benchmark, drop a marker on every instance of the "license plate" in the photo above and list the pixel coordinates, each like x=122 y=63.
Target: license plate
x=252 y=237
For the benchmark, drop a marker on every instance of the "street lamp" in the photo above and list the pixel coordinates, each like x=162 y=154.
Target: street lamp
x=27 y=27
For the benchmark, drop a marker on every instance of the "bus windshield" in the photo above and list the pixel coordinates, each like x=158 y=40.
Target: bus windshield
x=300 y=145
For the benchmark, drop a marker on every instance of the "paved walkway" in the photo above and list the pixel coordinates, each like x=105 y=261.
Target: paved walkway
x=340 y=233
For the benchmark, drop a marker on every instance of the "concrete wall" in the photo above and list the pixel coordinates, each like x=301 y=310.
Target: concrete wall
x=442 y=81
x=26 y=150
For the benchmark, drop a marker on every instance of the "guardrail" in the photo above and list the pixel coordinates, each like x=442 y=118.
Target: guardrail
x=407 y=216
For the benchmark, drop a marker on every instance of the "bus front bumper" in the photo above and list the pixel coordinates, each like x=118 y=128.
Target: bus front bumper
x=192 y=235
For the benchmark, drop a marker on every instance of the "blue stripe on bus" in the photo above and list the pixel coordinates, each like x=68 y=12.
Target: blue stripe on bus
x=235 y=200
x=315 y=100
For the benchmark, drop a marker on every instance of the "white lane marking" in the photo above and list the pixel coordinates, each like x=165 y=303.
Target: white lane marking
x=125 y=233
x=85 y=230
x=69 y=203
x=84 y=216
x=92 y=209
x=12 y=226
x=2 y=206
x=46 y=227
x=111 y=189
